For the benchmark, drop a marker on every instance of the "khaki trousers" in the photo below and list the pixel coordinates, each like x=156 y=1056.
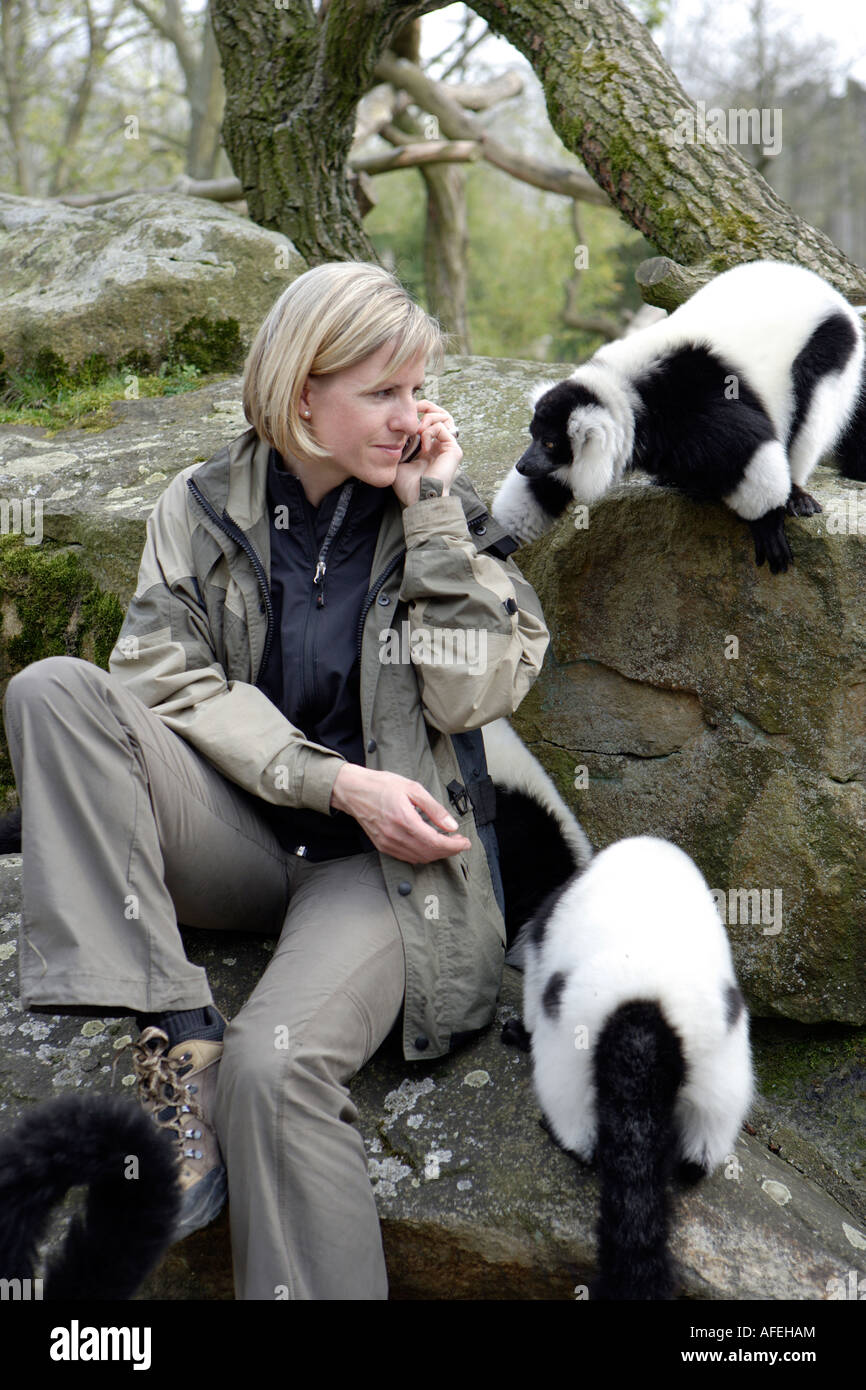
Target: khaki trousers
x=127 y=830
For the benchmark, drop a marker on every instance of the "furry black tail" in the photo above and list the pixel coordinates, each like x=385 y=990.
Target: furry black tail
x=10 y=832
x=850 y=451
x=130 y=1168
x=534 y=857
x=638 y=1070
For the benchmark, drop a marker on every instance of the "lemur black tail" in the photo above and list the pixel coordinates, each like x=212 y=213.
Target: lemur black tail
x=10 y=832
x=638 y=1070
x=850 y=451
x=534 y=857
x=130 y=1168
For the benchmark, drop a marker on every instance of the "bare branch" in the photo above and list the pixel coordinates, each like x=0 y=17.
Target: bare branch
x=422 y=152
x=458 y=125
x=479 y=96
x=217 y=190
x=170 y=26
x=466 y=49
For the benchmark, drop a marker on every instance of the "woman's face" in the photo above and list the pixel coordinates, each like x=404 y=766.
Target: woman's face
x=364 y=429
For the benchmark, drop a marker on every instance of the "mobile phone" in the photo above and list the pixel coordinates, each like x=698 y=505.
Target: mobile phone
x=411 y=448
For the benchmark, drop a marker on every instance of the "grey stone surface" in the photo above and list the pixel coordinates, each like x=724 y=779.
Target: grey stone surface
x=124 y=276
x=753 y=762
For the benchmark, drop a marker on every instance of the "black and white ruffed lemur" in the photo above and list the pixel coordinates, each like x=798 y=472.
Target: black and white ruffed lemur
x=734 y=397
x=638 y=1031
x=640 y=1044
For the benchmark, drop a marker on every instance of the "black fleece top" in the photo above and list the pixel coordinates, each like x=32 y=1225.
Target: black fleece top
x=313 y=673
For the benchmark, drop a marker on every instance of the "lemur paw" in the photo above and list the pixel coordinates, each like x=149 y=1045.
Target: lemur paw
x=801 y=503
x=514 y=1034
x=771 y=543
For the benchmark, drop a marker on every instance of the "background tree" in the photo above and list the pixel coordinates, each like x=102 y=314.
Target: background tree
x=610 y=96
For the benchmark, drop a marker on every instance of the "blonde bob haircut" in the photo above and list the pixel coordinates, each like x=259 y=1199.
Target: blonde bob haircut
x=329 y=318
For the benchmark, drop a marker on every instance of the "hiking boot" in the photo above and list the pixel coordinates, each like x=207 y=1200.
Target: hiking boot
x=177 y=1086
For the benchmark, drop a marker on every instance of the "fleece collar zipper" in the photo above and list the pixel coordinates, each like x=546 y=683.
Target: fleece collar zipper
x=231 y=528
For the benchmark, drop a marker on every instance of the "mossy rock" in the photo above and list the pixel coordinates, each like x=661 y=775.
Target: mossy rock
x=50 y=605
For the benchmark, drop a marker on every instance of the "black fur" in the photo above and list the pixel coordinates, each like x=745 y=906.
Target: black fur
x=639 y=1068
x=688 y=434
x=801 y=503
x=128 y=1221
x=537 y=924
x=551 y=999
x=734 y=1005
x=528 y=835
x=10 y=832
x=771 y=543
x=550 y=494
x=551 y=448
x=515 y=1034
x=850 y=450
x=828 y=350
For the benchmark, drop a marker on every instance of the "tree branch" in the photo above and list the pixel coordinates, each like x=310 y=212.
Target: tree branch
x=616 y=104
x=416 y=152
x=457 y=125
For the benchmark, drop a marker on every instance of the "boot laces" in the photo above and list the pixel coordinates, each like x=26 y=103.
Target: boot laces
x=162 y=1089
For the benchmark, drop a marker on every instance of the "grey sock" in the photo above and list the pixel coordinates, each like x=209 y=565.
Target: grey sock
x=184 y=1024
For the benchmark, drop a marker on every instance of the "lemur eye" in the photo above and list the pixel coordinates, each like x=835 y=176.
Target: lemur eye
x=549 y=444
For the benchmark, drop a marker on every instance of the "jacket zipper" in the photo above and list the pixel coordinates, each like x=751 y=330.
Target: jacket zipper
x=371 y=594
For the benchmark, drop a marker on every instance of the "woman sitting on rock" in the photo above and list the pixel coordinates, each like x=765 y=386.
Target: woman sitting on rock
x=277 y=747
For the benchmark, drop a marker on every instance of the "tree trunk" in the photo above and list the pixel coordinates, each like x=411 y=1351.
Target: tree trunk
x=446 y=239
x=294 y=78
x=14 y=22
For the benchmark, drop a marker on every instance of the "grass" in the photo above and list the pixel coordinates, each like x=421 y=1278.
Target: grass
x=32 y=398
x=50 y=393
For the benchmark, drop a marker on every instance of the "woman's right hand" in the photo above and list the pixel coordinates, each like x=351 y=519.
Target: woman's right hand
x=386 y=807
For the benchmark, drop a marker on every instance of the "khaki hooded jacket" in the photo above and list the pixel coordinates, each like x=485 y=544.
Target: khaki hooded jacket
x=451 y=637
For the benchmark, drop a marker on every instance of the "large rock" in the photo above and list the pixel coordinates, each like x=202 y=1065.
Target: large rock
x=122 y=279
x=695 y=696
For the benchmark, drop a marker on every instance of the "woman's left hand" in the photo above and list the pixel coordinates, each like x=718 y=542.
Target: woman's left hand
x=439 y=457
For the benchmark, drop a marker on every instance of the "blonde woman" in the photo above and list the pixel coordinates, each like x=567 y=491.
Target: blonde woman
x=281 y=745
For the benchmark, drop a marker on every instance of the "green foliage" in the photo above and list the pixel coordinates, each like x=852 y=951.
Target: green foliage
x=50 y=392
x=396 y=228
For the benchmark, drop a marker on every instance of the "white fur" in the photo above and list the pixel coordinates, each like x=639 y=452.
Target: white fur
x=511 y=765
x=639 y=923
x=609 y=428
x=758 y=316
x=540 y=389
x=765 y=484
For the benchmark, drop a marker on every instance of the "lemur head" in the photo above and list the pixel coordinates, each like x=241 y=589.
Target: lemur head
x=575 y=438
